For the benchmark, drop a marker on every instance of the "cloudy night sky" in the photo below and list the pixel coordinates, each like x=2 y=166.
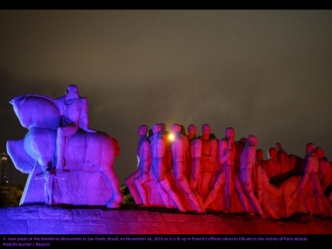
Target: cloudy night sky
x=263 y=72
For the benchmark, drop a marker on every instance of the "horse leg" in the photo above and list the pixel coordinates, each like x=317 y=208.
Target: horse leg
x=22 y=161
x=113 y=181
x=62 y=134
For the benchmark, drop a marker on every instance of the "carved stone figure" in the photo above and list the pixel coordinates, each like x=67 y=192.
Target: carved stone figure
x=239 y=146
x=311 y=173
x=74 y=115
x=178 y=150
x=89 y=157
x=244 y=176
x=136 y=181
x=165 y=135
x=288 y=162
x=191 y=136
x=264 y=191
x=158 y=148
x=259 y=157
x=227 y=152
x=209 y=161
x=196 y=171
x=324 y=169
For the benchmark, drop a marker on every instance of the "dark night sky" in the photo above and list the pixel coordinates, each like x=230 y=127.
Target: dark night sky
x=263 y=72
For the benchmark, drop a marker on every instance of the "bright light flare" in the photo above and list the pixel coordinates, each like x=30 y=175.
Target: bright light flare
x=171 y=136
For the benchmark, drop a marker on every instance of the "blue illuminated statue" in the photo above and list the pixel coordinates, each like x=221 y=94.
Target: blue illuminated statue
x=59 y=137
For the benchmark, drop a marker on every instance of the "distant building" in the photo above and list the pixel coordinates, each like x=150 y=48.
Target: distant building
x=5 y=169
x=9 y=195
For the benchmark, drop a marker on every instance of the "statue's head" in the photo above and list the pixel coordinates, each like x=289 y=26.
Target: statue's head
x=156 y=128
x=277 y=146
x=176 y=128
x=259 y=155
x=143 y=130
x=192 y=130
x=229 y=133
x=206 y=129
x=252 y=140
x=163 y=127
x=72 y=92
x=310 y=148
x=320 y=152
x=242 y=140
x=272 y=153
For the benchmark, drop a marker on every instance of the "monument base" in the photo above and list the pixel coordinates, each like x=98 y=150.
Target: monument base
x=40 y=219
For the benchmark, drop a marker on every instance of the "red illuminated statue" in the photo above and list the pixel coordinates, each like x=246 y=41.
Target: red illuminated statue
x=178 y=150
x=311 y=172
x=244 y=177
x=227 y=152
x=208 y=161
x=158 y=148
x=136 y=181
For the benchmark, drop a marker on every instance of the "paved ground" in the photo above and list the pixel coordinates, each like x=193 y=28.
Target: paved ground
x=40 y=219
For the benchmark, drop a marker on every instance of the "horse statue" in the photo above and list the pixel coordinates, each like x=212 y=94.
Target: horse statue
x=89 y=176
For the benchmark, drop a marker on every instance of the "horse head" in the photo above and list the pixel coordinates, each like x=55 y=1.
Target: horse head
x=36 y=111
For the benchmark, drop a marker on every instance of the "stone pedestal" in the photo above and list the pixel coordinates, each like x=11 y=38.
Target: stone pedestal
x=39 y=219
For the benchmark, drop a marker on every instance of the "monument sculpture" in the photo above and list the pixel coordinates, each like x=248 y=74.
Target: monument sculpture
x=188 y=174
x=178 y=150
x=244 y=176
x=311 y=172
x=58 y=137
x=239 y=166
x=209 y=161
x=136 y=182
x=196 y=166
x=189 y=160
x=160 y=169
x=227 y=151
x=265 y=191
x=325 y=169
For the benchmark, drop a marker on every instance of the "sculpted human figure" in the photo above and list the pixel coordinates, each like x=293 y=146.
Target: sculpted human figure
x=259 y=156
x=239 y=146
x=178 y=150
x=192 y=130
x=244 y=177
x=287 y=161
x=263 y=185
x=158 y=156
x=209 y=151
x=136 y=181
x=272 y=166
x=74 y=115
x=191 y=136
x=196 y=155
x=165 y=134
x=325 y=169
x=227 y=152
x=311 y=172
x=48 y=186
